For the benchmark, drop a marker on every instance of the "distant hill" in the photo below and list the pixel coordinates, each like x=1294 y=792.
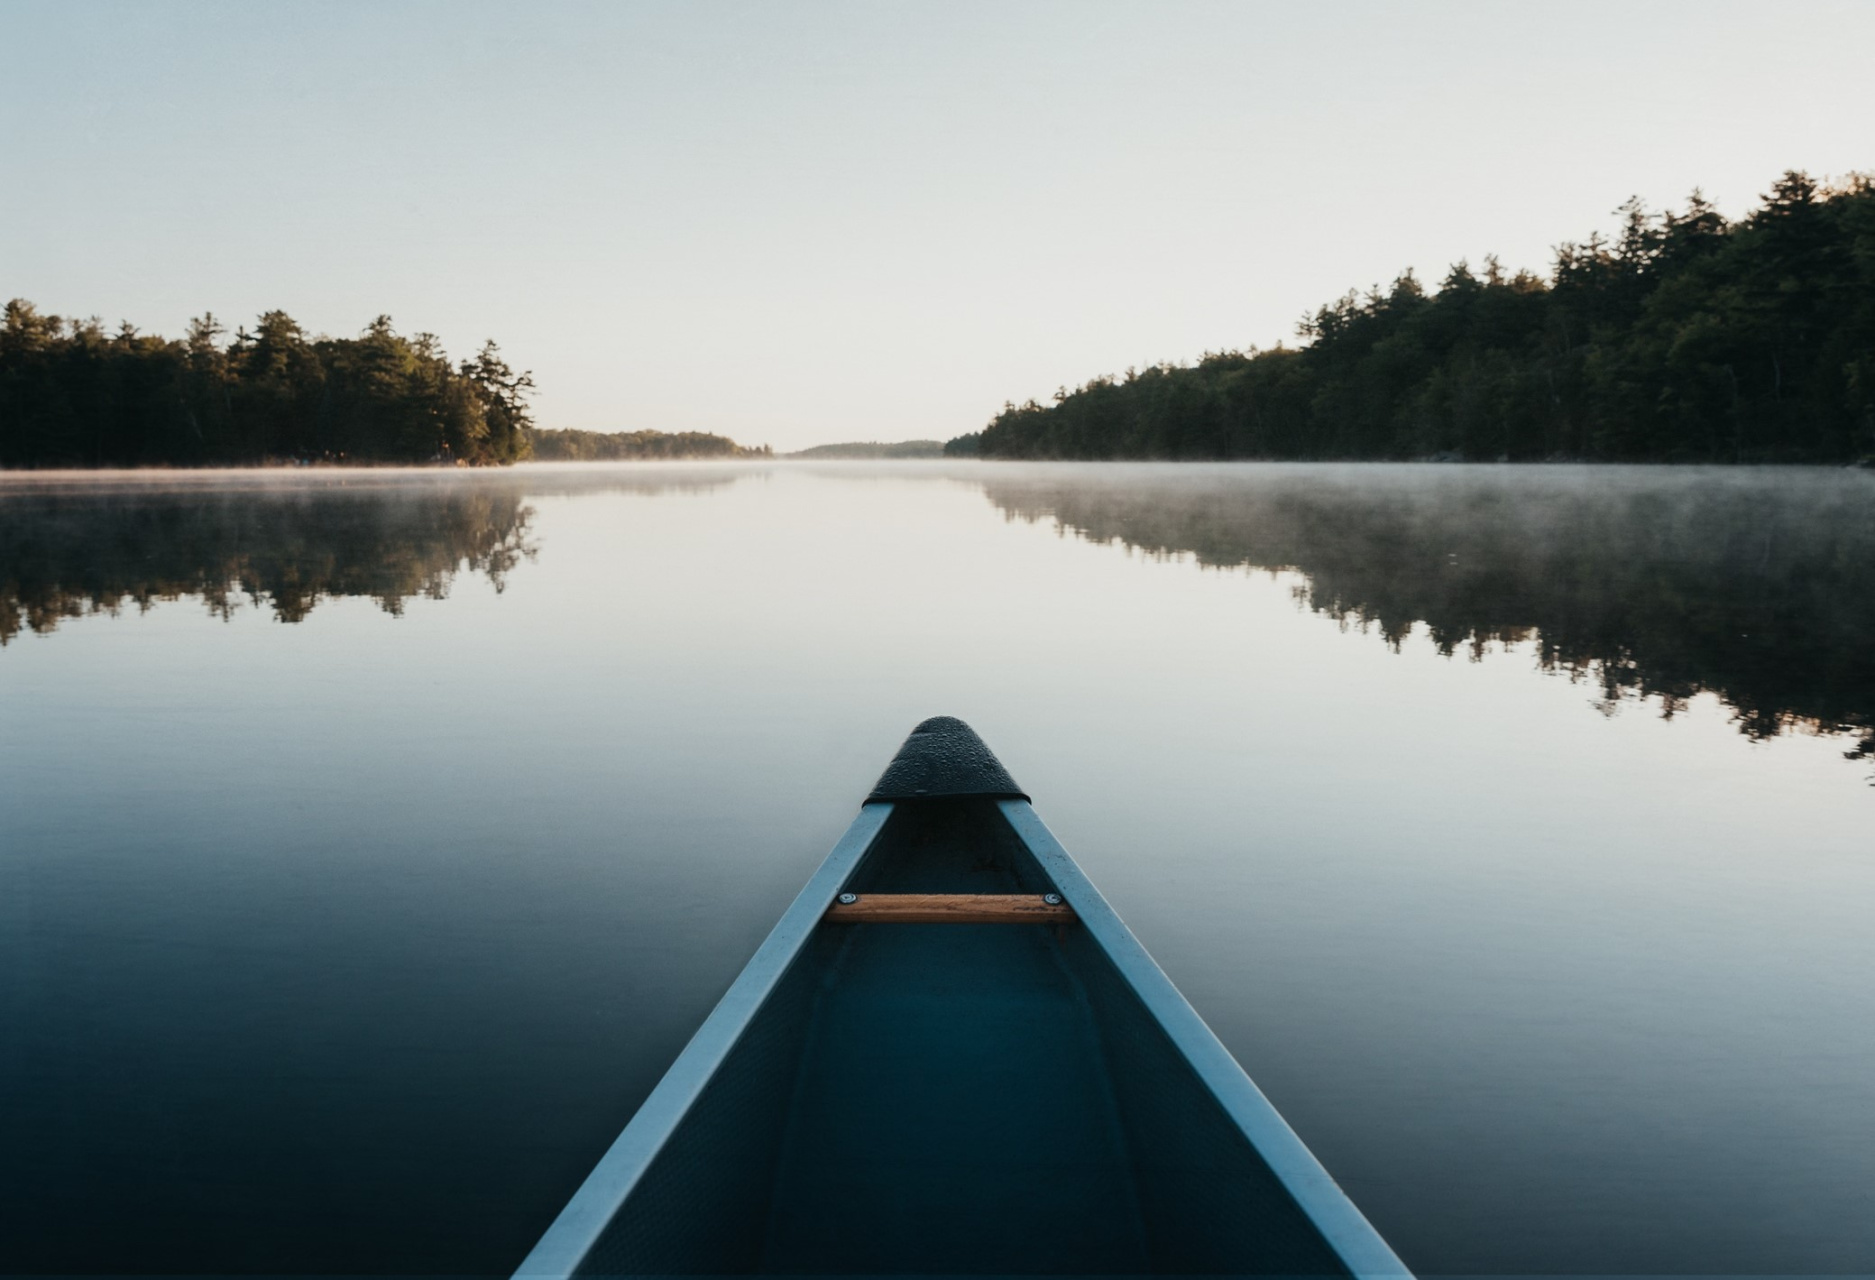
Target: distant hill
x=636 y=446
x=872 y=449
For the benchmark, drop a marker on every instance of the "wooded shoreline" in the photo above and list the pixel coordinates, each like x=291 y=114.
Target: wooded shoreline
x=1686 y=338
x=74 y=396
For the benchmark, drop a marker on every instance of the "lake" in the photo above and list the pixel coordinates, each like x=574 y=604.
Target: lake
x=374 y=840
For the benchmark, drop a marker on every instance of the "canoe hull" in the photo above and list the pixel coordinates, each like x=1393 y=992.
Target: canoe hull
x=966 y=1099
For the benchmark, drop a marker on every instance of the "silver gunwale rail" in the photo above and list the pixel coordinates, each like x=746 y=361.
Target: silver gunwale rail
x=1342 y=1224
x=585 y=1217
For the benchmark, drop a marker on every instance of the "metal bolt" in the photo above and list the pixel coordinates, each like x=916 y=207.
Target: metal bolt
x=1052 y=899
x=848 y=899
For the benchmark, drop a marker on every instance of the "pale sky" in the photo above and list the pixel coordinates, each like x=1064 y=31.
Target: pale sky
x=799 y=223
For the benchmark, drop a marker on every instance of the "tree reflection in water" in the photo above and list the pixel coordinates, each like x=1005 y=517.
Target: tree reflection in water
x=70 y=547
x=1753 y=584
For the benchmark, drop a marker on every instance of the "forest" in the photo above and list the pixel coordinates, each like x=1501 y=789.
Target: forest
x=73 y=395
x=637 y=446
x=871 y=451
x=1683 y=338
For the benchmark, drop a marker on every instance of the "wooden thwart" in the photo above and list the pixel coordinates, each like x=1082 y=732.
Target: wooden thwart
x=950 y=908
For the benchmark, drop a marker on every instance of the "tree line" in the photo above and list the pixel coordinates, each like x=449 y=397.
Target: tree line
x=1685 y=337
x=637 y=446
x=72 y=394
x=872 y=450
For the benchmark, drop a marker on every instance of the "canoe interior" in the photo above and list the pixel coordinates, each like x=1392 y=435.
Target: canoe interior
x=956 y=1099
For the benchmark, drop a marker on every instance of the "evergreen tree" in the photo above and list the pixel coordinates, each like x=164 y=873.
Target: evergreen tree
x=71 y=395
x=1685 y=338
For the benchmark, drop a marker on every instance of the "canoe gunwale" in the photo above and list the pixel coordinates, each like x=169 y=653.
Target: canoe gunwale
x=584 y=1219
x=1327 y=1206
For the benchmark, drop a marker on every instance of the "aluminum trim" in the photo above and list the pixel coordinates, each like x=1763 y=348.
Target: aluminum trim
x=584 y=1219
x=1341 y=1223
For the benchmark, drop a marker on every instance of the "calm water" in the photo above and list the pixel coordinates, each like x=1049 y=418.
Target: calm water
x=373 y=841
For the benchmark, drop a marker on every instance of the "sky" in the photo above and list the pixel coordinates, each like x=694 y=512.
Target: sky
x=812 y=222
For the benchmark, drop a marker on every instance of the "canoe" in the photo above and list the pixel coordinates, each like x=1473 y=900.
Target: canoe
x=951 y=1057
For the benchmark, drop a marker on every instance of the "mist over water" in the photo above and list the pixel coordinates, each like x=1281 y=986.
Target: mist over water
x=376 y=839
x=1755 y=585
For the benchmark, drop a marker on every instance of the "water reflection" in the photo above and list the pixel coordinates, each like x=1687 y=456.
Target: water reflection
x=75 y=546
x=1752 y=584
x=347 y=948
x=1756 y=585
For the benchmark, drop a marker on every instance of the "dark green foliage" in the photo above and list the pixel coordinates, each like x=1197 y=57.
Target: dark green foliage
x=875 y=450
x=637 y=446
x=1687 y=338
x=71 y=395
